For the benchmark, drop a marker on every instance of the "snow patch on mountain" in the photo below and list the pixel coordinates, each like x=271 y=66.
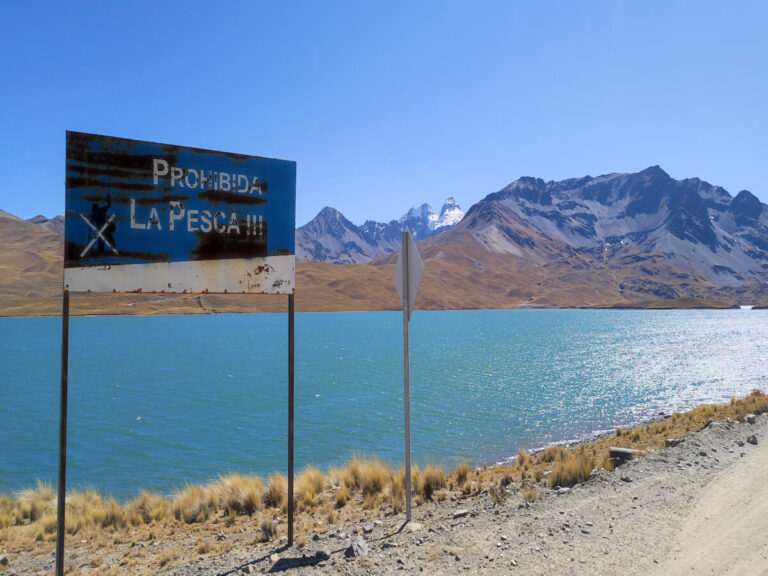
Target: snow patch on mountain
x=423 y=222
x=450 y=215
x=329 y=237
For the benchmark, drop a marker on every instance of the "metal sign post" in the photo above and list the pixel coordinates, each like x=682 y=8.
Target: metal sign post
x=62 y=488
x=149 y=217
x=408 y=272
x=291 y=307
x=407 y=382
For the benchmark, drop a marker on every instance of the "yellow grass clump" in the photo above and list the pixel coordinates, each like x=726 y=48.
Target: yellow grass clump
x=32 y=505
x=166 y=557
x=523 y=461
x=396 y=491
x=309 y=485
x=755 y=403
x=195 y=504
x=6 y=511
x=268 y=529
x=433 y=479
x=88 y=510
x=531 y=495
x=374 y=477
x=276 y=494
x=553 y=454
x=574 y=469
x=239 y=494
x=342 y=496
x=147 y=508
x=462 y=473
x=416 y=478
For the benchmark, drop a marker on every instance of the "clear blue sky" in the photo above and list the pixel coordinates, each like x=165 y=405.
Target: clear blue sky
x=389 y=104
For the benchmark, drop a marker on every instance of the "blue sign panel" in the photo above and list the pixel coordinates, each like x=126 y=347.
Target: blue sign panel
x=142 y=216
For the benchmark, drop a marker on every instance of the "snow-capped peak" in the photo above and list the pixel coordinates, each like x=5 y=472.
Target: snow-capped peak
x=450 y=215
x=423 y=217
x=421 y=213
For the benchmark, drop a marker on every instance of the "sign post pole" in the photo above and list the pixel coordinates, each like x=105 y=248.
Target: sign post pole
x=408 y=272
x=407 y=380
x=291 y=309
x=62 y=486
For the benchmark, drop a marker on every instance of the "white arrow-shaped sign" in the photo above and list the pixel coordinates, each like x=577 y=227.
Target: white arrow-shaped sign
x=408 y=272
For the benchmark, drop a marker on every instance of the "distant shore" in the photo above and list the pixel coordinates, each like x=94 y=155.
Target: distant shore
x=176 y=304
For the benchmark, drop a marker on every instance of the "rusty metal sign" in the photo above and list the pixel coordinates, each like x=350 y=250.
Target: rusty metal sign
x=148 y=217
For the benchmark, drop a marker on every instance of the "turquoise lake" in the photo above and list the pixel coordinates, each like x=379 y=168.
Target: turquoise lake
x=157 y=402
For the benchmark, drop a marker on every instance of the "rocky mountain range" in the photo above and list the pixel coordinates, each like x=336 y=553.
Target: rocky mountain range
x=330 y=237
x=627 y=239
x=689 y=224
x=616 y=240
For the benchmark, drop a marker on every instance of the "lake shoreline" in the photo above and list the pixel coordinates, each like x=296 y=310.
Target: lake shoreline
x=467 y=520
x=161 y=304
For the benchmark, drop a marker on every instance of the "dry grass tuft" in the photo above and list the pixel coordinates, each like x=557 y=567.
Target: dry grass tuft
x=88 y=509
x=336 y=478
x=573 y=469
x=462 y=473
x=111 y=515
x=433 y=479
x=167 y=557
x=396 y=491
x=203 y=547
x=342 y=496
x=147 y=508
x=32 y=505
x=531 y=495
x=374 y=476
x=195 y=504
x=553 y=454
x=6 y=512
x=372 y=502
x=276 y=494
x=238 y=494
x=352 y=473
x=330 y=514
x=755 y=403
x=268 y=530
x=524 y=460
x=498 y=493
x=309 y=486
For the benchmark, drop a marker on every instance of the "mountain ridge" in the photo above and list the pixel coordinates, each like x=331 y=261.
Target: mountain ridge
x=616 y=240
x=650 y=211
x=331 y=237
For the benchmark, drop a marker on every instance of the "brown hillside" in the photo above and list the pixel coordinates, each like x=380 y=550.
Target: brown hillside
x=474 y=266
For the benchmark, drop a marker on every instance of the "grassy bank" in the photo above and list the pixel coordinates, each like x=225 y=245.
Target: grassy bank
x=365 y=487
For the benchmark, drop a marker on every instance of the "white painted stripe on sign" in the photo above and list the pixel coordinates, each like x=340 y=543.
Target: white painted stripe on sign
x=269 y=275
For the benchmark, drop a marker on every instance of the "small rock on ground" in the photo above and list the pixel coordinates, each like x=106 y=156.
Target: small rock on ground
x=358 y=549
